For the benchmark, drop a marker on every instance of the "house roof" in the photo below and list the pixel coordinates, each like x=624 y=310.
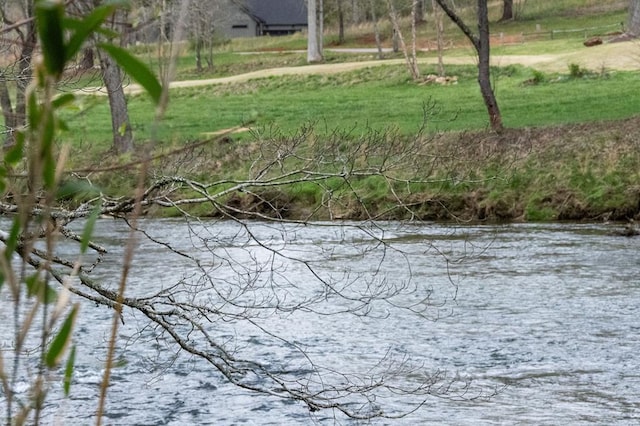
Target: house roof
x=278 y=12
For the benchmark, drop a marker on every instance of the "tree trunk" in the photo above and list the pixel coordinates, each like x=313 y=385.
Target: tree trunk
x=120 y=125
x=14 y=118
x=356 y=15
x=209 y=57
x=314 y=52
x=86 y=63
x=633 y=27
x=395 y=41
x=341 y=39
x=481 y=44
x=24 y=69
x=7 y=112
x=162 y=40
x=320 y=25
x=410 y=59
x=418 y=12
x=416 y=9
x=198 y=47
x=376 y=29
x=507 y=10
x=484 y=70
x=437 y=18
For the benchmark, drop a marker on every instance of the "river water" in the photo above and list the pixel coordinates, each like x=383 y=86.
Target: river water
x=539 y=323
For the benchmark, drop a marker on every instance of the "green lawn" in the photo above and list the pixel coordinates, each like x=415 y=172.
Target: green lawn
x=377 y=97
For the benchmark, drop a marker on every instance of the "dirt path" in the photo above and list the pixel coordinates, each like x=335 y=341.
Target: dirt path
x=614 y=56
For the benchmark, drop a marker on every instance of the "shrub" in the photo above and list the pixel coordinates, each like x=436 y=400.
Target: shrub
x=538 y=77
x=576 y=71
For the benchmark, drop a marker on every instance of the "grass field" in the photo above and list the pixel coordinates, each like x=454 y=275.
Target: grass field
x=374 y=98
x=383 y=96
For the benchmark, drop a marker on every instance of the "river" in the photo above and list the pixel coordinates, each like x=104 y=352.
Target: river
x=540 y=324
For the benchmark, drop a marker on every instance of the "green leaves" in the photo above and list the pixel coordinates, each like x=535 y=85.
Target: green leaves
x=40 y=289
x=52 y=25
x=49 y=16
x=12 y=242
x=15 y=153
x=76 y=189
x=88 y=228
x=62 y=339
x=136 y=69
x=40 y=172
x=68 y=371
x=63 y=100
x=47 y=134
x=84 y=28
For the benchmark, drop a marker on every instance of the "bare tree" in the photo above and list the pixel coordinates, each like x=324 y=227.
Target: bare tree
x=18 y=46
x=357 y=15
x=120 y=123
x=418 y=12
x=376 y=28
x=480 y=42
x=202 y=33
x=409 y=56
x=341 y=19
x=320 y=26
x=507 y=10
x=340 y=12
x=314 y=32
x=437 y=19
x=206 y=20
x=416 y=17
x=633 y=24
x=114 y=84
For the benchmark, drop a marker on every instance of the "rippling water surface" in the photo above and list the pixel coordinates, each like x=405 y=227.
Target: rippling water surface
x=546 y=315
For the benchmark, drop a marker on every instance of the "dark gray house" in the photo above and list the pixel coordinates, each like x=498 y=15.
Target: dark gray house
x=267 y=17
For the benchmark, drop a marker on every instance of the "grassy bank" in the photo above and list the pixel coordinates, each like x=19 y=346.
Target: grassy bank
x=570 y=172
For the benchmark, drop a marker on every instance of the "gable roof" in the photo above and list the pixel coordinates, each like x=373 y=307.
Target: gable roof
x=278 y=12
